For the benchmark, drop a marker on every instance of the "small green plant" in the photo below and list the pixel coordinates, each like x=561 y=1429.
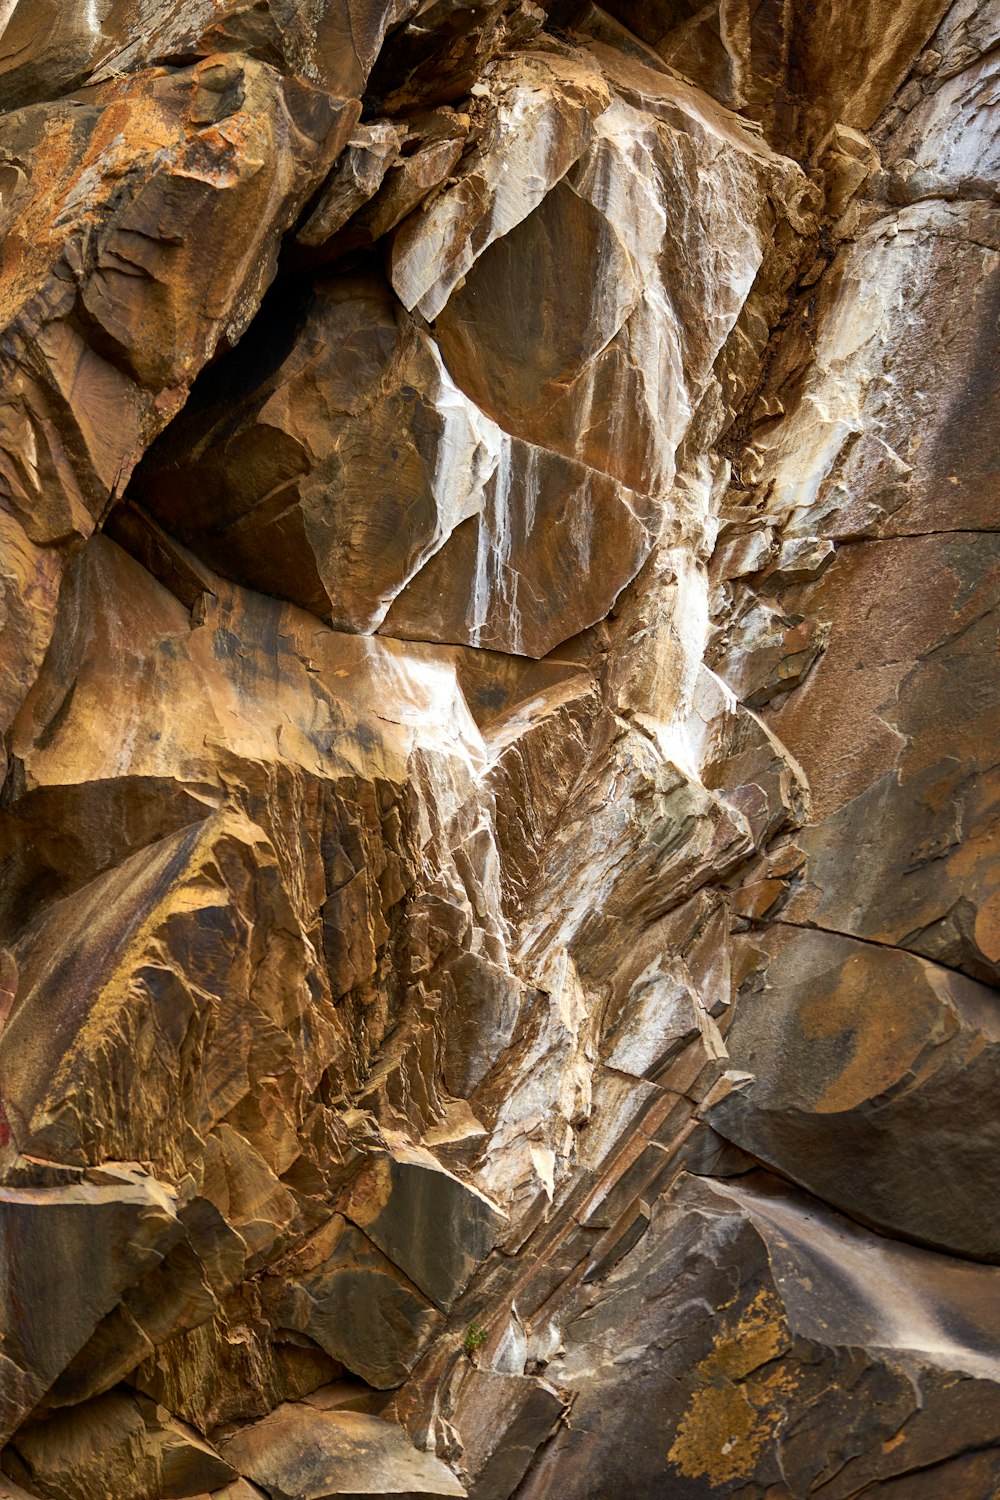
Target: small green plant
x=475 y=1338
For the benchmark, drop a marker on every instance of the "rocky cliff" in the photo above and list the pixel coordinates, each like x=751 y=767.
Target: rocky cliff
x=500 y=903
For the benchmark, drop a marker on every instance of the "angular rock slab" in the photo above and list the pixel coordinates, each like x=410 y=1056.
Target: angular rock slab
x=314 y=701
x=493 y=497
x=299 y=1453
x=142 y=199
x=917 y=802
x=544 y=106
x=796 y=68
x=350 y=460
x=67 y=1254
x=846 y=461
x=139 y=221
x=132 y=973
x=875 y=1084
x=434 y=1227
x=503 y=1420
x=119 y=1447
x=632 y=298
x=754 y=1342
x=349 y=1298
x=48 y=47
x=29 y=589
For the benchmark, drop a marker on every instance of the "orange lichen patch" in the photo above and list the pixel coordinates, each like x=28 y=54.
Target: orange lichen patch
x=719 y=1436
x=733 y=1412
x=143 y=121
x=24 y=244
x=759 y=1336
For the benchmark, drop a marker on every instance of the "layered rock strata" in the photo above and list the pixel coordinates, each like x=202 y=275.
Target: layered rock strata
x=500 y=925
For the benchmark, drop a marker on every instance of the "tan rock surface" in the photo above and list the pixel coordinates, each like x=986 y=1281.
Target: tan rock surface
x=499 y=711
x=117 y=1448
x=300 y=1453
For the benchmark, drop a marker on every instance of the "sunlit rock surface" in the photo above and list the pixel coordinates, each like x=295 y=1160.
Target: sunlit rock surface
x=500 y=923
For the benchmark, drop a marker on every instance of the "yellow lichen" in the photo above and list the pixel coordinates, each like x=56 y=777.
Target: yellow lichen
x=733 y=1412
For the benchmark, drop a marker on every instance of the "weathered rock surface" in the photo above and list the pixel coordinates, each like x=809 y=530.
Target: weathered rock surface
x=499 y=915
x=869 y=1057
x=300 y=1453
x=434 y=487
x=116 y=1448
x=751 y=1320
x=69 y=1252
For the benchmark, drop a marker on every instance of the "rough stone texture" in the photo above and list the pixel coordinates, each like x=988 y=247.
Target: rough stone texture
x=69 y=1253
x=499 y=918
x=116 y=1448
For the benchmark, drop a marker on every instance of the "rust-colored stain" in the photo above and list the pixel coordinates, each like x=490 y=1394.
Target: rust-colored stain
x=370 y=1191
x=876 y=1056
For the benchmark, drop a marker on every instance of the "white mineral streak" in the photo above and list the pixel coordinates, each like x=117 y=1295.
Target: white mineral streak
x=531 y=1144
x=852 y=390
x=660 y=669
x=495 y=581
x=904 y=1311
x=662 y=1010
x=418 y=691
x=543 y=124
x=469 y=450
x=619 y=176
x=931 y=158
x=683 y=196
x=664 y=687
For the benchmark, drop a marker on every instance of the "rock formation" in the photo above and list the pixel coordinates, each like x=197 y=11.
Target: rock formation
x=500 y=917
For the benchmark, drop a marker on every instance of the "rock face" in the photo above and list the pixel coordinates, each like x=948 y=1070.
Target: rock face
x=500 y=916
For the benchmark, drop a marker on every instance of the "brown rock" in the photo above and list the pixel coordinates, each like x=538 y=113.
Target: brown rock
x=299 y=1453
x=544 y=107
x=110 y=296
x=434 y=1227
x=68 y=1254
x=478 y=500
x=523 y=1410
x=666 y=1395
x=910 y=801
x=864 y=1058
x=352 y=1301
x=48 y=49
x=233 y=1366
x=117 y=1448
x=796 y=68
x=384 y=392
x=597 y=794
x=11 y=1491
x=148 y=329
x=356 y=177
x=560 y=369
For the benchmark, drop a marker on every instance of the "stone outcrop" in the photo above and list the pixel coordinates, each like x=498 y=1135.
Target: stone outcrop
x=500 y=926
